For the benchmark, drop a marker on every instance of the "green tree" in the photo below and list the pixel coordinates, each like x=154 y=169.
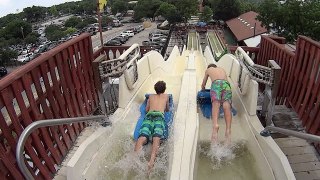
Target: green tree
x=53 y=11
x=146 y=8
x=67 y=7
x=119 y=6
x=72 y=22
x=7 y=55
x=105 y=21
x=206 y=14
x=186 y=8
x=292 y=18
x=89 y=6
x=17 y=29
x=269 y=11
x=246 y=6
x=85 y=7
x=311 y=11
x=169 y=11
x=81 y=25
x=90 y=20
x=32 y=38
x=9 y=18
x=228 y=9
x=54 y=32
x=70 y=31
x=213 y=5
x=34 y=13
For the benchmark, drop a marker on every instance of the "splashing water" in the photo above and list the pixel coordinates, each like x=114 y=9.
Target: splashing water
x=122 y=163
x=221 y=154
x=217 y=161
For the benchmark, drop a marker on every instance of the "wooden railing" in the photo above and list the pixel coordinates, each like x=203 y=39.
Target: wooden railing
x=271 y=50
x=299 y=79
x=304 y=89
x=57 y=84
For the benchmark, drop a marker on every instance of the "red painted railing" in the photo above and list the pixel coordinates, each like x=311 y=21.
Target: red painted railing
x=271 y=50
x=58 y=84
x=299 y=79
x=304 y=90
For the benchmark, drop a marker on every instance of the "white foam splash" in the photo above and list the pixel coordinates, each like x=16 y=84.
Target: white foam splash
x=123 y=163
x=221 y=154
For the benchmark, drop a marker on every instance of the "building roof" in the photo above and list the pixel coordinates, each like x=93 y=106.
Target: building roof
x=243 y=26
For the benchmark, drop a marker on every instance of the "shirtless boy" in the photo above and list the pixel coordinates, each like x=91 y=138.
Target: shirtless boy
x=220 y=94
x=153 y=125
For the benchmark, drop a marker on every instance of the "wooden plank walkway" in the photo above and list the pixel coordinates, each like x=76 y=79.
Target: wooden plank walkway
x=302 y=156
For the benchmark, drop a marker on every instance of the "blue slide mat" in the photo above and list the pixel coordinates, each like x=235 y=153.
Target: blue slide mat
x=168 y=117
x=204 y=101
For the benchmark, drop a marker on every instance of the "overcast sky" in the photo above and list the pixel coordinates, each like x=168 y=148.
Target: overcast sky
x=14 y=6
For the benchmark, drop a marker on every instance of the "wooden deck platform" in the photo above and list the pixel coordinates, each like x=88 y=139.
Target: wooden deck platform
x=302 y=156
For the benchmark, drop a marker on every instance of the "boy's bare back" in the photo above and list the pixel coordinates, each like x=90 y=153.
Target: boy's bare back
x=216 y=73
x=158 y=102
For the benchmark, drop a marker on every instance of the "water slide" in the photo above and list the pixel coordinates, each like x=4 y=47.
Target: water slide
x=187 y=154
x=215 y=43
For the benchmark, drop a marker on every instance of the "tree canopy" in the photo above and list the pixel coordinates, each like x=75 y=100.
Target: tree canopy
x=206 y=14
x=54 y=32
x=17 y=29
x=228 y=9
x=34 y=13
x=169 y=11
x=53 y=11
x=173 y=10
x=146 y=8
x=291 y=18
x=119 y=6
x=6 y=55
x=186 y=8
x=106 y=20
x=72 y=22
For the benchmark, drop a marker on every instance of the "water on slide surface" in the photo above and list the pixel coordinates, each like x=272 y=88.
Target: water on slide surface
x=225 y=162
x=122 y=163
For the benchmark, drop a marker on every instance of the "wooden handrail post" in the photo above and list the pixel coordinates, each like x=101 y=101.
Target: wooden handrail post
x=276 y=70
x=98 y=82
x=271 y=92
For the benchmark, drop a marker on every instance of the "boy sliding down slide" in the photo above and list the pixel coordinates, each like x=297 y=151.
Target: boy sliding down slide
x=154 y=124
x=221 y=94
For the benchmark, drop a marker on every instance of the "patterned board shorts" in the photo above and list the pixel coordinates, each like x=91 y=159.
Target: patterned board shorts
x=221 y=91
x=153 y=125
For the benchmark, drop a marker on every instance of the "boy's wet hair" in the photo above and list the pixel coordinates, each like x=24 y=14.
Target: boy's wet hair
x=211 y=65
x=160 y=87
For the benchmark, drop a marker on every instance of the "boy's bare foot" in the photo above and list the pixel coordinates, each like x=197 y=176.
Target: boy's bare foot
x=227 y=141
x=214 y=137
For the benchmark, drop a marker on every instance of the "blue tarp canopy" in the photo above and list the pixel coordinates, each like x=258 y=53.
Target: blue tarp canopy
x=201 y=24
